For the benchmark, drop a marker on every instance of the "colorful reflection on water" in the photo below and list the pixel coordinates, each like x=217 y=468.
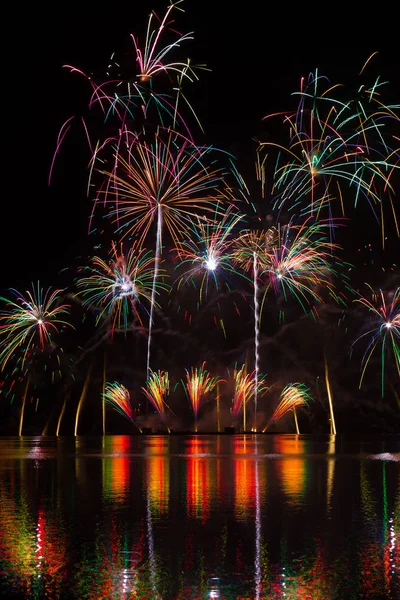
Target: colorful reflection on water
x=199 y=517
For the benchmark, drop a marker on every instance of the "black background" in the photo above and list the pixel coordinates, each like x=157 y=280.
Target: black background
x=257 y=53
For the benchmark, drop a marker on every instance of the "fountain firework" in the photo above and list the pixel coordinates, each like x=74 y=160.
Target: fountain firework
x=156 y=390
x=198 y=383
x=293 y=395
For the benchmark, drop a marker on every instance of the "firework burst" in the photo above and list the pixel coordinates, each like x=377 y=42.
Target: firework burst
x=151 y=60
x=333 y=143
x=294 y=260
x=29 y=322
x=140 y=98
x=119 y=286
x=166 y=182
x=204 y=261
x=205 y=254
x=382 y=330
x=156 y=391
x=303 y=262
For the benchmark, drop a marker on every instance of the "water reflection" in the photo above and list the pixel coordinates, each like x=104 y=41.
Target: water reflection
x=33 y=552
x=199 y=488
x=199 y=517
x=115 y=467
x=257 y=560
x=292 y=468
x=244 y=468
x=331 y=450
x=158 y=475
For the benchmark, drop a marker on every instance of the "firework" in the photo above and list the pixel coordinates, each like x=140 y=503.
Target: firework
x=295 y=260
x=166 y=182
x=129 y=99
x=21 y=419
x=251 y=250
x=81 y=399
x=329 y=392
x=292 y=396
x=244 y=389
x=204 y=260
x=156 y=391
x=120 y=286
x=251 y=245
x=151 y=60
x=61 y=414
x=303 y=262
x=118 y=397
x=197 y=384
x=29 y=322
x=204 y=255
x=333 y=143
x=382 y=330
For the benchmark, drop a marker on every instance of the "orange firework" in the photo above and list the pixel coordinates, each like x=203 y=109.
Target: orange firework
x=198 y=383
x=156 y=391
x=244 y=389
x=292 y=396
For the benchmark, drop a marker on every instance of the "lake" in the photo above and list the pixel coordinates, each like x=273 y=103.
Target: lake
x=198 y=517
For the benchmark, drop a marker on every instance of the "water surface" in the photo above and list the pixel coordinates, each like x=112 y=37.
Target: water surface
x=197 y=517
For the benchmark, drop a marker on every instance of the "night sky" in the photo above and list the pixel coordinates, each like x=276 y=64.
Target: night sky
x=257 y=57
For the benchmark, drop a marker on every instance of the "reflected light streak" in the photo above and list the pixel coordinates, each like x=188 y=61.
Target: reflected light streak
x=292 y=471
x=330 y=472
x=158 y=477
x=198 y=476
x=257 y=560
x=244 y=480
x=116 y=468
x=152 y=558
x=33 y=553
x=39 y=544
x=393 y=544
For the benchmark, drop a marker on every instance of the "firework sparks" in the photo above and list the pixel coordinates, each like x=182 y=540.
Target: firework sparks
x=250 y=251
x=197 y=384
x=293 y=260
x=332 y=144
x=156 y=391
x=205 y=254
x=150 y=60
x=166 y=182
x=292 y=396
x=131 y=98
x=119 y=286
x=296 y=260
x=303 y=262
x=382 y=330
x=118 y=397
x=244 y=389
x=29 y=322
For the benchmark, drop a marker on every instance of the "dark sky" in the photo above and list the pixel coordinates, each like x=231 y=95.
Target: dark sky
x=257 y=57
